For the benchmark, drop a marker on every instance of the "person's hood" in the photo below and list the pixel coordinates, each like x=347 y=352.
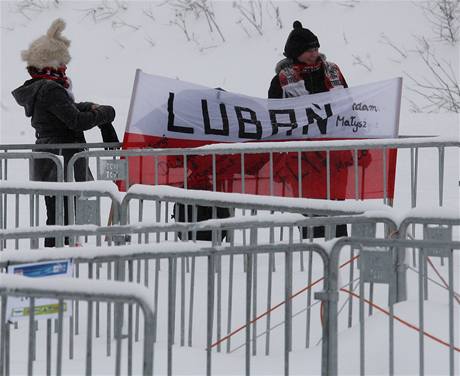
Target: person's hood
x=284 y=63
x=26 y=95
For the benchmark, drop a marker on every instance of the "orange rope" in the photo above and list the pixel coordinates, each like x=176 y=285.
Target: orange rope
x=399 y=319
x=446 y=285
x=277 y=306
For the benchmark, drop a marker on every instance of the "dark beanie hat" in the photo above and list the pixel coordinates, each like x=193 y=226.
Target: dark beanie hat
x=299 y=40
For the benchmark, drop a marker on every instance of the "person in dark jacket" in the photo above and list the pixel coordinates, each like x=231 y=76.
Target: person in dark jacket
x=56 y=117
x=305 y=71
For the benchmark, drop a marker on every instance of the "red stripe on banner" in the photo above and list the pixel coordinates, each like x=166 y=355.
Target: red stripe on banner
x=257 y=171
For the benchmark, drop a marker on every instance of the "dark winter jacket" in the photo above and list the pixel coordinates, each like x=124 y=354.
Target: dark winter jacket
x=58 y=119
x=308 y=81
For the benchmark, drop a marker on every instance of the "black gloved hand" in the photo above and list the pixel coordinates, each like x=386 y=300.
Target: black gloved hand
x=106 y=114
x=108 y=133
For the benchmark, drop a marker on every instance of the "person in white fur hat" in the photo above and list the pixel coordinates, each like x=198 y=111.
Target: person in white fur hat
x=56 y=117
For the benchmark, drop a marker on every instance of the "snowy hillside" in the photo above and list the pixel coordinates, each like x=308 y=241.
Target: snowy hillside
x=370 y=40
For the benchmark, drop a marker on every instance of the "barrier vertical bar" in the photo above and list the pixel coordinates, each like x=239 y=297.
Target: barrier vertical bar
x=230 y=300
x=89 y=330
x=441 y=175
x=48 y=347
x=16 y=220
x=192 y=293
x=210 y=314
x=450 y=263
x=31 y=343
x=421 y=271
x=3 y=324
x=248 y=313
x=171 y=318
x=269 y=303
x=59 y=338
x=182 y=300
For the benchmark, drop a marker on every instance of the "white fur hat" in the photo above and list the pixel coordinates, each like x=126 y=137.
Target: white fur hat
x=50 y=50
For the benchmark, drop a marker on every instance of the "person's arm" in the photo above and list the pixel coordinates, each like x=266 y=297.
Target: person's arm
x=61 y=105
x=275 y=91
x=84 y=106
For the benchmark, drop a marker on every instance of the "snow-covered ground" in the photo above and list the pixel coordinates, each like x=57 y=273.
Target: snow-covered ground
x=111 y=39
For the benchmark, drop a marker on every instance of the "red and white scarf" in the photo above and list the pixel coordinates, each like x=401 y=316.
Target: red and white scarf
x=50 y=73
x=292 y=74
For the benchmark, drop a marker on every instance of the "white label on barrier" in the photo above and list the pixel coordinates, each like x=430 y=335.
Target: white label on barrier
x=19 y=308
x=113 y=169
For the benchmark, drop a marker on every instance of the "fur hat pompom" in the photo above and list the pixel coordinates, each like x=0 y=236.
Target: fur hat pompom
x=50 y=50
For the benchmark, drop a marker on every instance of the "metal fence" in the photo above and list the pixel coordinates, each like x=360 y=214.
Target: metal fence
x=7 y=148
x=65 y=292
x=379 y=263
x=85 y=203
x=164 y=201
x=113 y=165
x=221 y=269
x=172 y=293
x=7 y=158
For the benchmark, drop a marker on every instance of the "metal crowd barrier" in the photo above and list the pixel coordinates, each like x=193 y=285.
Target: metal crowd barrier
x=379 y=264
x=84 y=210
x=207 y=256
x=224 y=268
x=66 y=291
x=162 y=197
x=113 y=164
x=30 y=157
x=31 y=147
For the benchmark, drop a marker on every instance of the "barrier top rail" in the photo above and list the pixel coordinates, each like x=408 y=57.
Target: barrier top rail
x=37 y=155
x=150 y=251
x=248 y=201
x=439 y=216
x=68 y=288
x=278 y=147
x=96 y=145
x=84 y=189
x=231 y=223
x=288 y=146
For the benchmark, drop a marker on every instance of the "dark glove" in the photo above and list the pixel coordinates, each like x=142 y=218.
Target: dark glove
x=107 y=113
x=84 y=106
x=108 y=133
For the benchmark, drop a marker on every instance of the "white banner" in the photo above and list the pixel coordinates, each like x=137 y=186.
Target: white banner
x=170 y=108
x=45 y=308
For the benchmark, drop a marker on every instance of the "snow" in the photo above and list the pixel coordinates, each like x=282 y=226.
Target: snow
x=83 y=188
x=331 y=145
x=167 y=193
x=106 y=54
x=93 y=252
x=109 y=289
